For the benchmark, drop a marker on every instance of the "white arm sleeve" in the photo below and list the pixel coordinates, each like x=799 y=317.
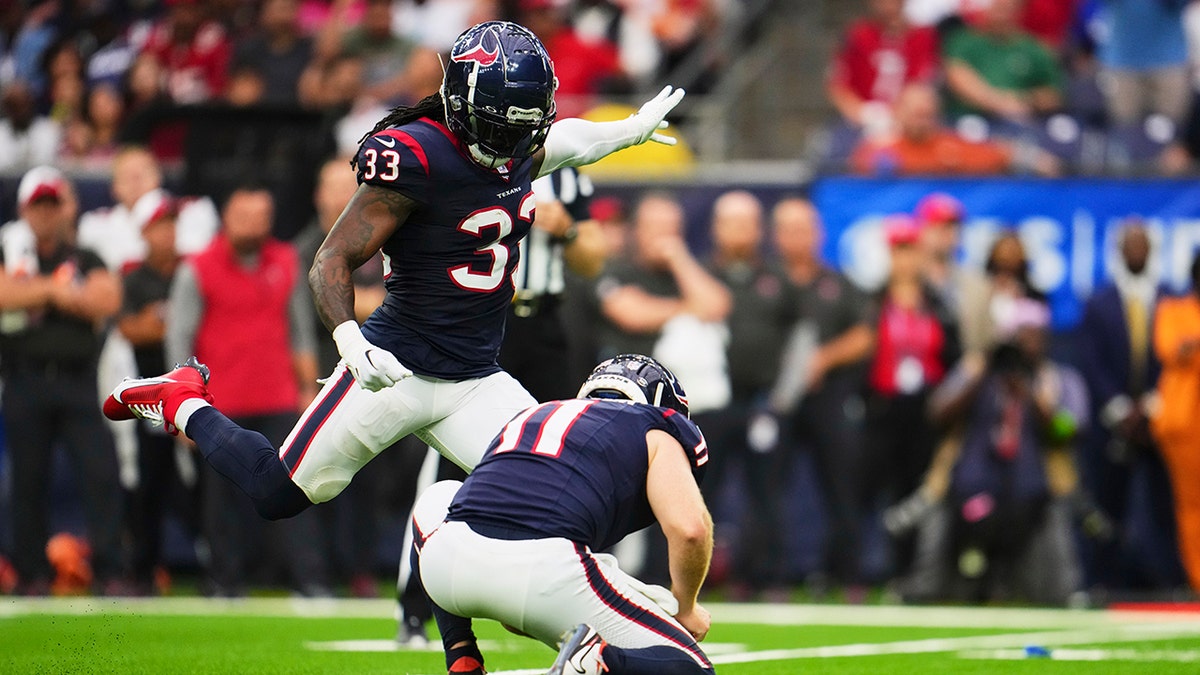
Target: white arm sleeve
x=576 y=142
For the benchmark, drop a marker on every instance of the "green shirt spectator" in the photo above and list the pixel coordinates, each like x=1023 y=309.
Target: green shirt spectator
x=998 y=70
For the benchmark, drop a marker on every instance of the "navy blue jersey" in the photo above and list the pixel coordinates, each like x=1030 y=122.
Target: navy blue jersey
x=574 y=469
x=448 y=267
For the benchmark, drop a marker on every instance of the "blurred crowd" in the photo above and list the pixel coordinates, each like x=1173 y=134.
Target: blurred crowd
x=952 y=453
x=74 y=75
x=1043 y=87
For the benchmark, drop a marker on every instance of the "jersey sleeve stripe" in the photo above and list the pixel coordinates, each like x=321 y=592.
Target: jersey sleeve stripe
x=412 y=145
x=445 y=131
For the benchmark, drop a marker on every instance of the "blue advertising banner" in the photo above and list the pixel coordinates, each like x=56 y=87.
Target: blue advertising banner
x=1068 y=226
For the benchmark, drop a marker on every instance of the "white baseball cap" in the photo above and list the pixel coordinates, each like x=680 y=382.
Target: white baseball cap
x=153 y=206
x=41 y=182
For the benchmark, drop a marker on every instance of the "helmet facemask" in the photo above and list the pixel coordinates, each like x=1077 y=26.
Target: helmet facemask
x=498 y=93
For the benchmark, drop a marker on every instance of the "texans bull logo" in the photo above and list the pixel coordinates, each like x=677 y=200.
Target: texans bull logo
x=480 y=53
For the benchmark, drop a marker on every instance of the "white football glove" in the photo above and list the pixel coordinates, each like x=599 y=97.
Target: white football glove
x=374 y=368
x=650 y=117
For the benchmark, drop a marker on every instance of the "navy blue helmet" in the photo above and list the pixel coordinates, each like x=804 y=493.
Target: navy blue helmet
x=636 y=378
x=499 y=92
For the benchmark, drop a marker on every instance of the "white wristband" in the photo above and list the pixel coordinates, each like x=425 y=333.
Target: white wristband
x=349 y=338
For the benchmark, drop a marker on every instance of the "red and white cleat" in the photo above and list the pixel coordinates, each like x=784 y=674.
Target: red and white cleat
x=156 y=399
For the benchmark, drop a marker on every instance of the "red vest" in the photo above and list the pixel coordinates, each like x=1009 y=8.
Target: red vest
x=243 y=334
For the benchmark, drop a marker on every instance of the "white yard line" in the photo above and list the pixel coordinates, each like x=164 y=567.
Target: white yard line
x=1133 y=633
x=771 y=614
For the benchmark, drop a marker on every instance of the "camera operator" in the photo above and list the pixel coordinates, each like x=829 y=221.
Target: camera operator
x=1008 y=499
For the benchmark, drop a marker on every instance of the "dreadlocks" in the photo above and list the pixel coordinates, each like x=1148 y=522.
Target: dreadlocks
x=430 y=106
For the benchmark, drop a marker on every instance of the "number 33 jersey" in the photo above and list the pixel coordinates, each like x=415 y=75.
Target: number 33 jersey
x=448 y=267
x=574 y=469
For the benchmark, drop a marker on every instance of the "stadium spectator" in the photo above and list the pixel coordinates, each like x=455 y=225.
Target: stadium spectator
x=118 y=40
x=278 y=53
x=142 y=322
x=343 y=94
x=354 y=509
x=585 y=68
x=192 y=50
x=1183 y=152
x=998 y=70
x=629 y=26
x=395 y=70
x=660 y=281
x=530 y=563
x=1144 y=60
x=922 y=145
x=829 y=419
x=1177 y=346
x=879 y=55
x=765 y=308
x=143 y=83
x=54 y=296
x=1020 y=412
x=28 y=43
x=316 y=15
x=658 y=295
x=113 y=232
x=27 y=139
x=239 y=305
x=64 y=70
x=435 y=24
x=1120 y=459
x=940 y=218
x=105 y=115
x=1007 y=276
x=685 y=30
x=916 y=344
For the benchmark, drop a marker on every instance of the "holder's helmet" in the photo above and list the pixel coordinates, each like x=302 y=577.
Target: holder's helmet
x=636 y=378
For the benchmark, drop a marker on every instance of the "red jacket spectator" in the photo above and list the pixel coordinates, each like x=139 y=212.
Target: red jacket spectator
x=192 y=51
x=879 y=55
x=245 y=327
x=582 y=66
x=1049 y=20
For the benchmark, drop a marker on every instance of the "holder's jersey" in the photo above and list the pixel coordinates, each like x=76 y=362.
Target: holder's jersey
x=574 y=469
x=448 y=267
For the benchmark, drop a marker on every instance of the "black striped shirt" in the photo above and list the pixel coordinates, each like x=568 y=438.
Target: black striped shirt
x=540 y=269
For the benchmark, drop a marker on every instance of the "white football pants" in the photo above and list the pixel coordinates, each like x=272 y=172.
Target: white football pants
x=346 y=426
x=541 y=587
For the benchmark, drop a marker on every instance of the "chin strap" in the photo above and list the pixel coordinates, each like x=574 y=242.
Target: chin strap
x=487 y=161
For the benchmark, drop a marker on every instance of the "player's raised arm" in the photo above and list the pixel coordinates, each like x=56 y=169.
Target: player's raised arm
x=372 y=215
x=577 y=142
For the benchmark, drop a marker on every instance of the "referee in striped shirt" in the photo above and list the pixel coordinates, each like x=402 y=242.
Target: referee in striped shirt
x=563 y=237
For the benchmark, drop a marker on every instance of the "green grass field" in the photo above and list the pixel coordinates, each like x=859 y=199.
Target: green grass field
x=185 y=635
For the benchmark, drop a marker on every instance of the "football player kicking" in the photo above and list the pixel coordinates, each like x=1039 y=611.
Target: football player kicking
x=516 y=541
x=445 y=193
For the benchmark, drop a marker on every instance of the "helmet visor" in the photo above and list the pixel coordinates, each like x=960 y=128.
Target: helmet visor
x=518 y=134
